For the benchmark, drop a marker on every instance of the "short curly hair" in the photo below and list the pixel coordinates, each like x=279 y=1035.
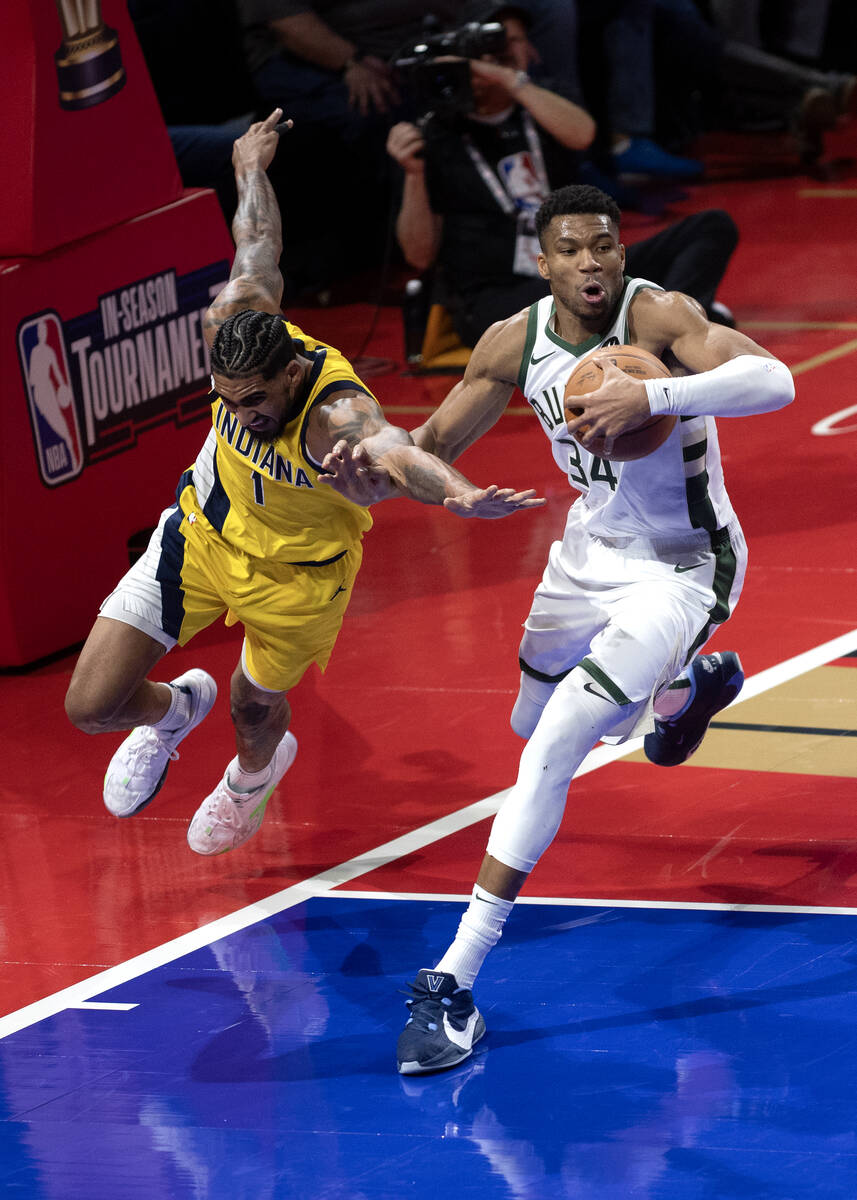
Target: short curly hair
x=251 y=342
x=575 y=198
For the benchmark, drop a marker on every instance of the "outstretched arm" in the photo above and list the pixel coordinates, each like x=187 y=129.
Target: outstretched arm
x=370 y=460
x=480 y=398
x=255 y=280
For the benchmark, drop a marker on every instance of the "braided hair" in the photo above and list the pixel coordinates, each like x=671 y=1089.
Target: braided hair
x=251 y=342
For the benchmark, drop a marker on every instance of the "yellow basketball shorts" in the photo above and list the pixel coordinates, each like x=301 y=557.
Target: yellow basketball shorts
x=189 y=576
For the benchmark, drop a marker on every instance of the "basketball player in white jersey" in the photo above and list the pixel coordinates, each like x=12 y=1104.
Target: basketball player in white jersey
x=651 y=562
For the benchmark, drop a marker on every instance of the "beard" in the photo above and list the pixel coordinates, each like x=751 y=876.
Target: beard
x=271 y=430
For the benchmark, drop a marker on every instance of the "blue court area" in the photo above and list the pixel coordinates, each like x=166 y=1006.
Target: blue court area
x=631 y=1052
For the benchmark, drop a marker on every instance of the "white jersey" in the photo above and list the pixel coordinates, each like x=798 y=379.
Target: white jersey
x=676 y=490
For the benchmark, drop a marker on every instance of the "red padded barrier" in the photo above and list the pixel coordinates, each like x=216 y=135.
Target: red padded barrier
x=104 y=383
x=83 y=140
x=108 y=268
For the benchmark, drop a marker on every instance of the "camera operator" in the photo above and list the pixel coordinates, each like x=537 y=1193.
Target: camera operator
x=474 y=179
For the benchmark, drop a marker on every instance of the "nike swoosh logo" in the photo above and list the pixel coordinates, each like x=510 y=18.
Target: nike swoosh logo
x=587 y=687
x=679 y=569
x=462 y=1038
x=541 y=358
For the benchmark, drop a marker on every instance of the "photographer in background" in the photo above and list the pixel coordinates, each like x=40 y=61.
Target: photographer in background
x=473 y=179
x=326 y=63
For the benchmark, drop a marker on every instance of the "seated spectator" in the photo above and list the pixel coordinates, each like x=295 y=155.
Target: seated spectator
x=617 y=44
x=327 y=62
x=600 y=54
x=472 y=184
x=767 y=73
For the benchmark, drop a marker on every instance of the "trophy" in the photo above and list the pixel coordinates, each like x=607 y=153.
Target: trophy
x=89 y=64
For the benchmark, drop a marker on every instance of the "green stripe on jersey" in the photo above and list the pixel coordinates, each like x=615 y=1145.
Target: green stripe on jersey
x=725 y=569
x=699 y=506
x=532 y=331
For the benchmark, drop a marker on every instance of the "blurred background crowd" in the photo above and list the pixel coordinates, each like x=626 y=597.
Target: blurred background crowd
x=426 y=132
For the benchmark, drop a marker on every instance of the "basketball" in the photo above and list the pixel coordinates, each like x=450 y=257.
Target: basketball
x=587 y=376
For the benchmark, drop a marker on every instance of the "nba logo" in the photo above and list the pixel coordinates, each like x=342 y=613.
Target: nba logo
x=53 y=415
x=521 y=180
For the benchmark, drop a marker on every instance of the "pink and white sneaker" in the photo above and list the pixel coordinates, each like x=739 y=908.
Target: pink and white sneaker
x=227 y=819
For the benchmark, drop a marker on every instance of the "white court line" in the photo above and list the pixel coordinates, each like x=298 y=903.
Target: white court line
x=107 y=1005
x=326 y=881
x=579 y=902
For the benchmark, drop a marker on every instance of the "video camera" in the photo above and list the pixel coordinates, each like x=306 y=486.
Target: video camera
x=435 y=84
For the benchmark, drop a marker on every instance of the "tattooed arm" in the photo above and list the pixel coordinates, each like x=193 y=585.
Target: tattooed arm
x=255 y=280
x=366 y=460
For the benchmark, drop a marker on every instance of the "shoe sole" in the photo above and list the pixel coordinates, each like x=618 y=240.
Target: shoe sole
x=651 y=742
x=206 y=703
x=143 y=803
x=409 y=1067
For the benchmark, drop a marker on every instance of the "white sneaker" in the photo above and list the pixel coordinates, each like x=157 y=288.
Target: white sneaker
x=227 y=819
x=139 y=767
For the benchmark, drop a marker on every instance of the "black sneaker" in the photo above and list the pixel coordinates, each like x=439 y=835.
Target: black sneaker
x=715 y=680
x=443 y=1027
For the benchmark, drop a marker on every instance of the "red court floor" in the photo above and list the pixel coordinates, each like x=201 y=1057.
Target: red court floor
x=410 y=722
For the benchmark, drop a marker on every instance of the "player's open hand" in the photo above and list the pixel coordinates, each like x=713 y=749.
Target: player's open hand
x=492 y=502
x=349 y=471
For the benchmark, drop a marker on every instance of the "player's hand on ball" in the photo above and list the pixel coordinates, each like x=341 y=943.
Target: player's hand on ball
x=619 y=404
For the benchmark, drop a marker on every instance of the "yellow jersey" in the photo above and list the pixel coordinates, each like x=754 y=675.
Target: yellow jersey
x=264 y=497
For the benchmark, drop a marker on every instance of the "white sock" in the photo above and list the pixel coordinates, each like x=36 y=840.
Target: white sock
x=479 y=929
x=240 y=780
x=178 y=713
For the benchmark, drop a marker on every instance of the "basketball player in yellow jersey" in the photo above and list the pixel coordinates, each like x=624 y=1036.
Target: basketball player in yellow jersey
x=256 y=533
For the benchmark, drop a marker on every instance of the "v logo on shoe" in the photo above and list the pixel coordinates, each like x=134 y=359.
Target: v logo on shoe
x=434 y=982
x=462 y=1038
